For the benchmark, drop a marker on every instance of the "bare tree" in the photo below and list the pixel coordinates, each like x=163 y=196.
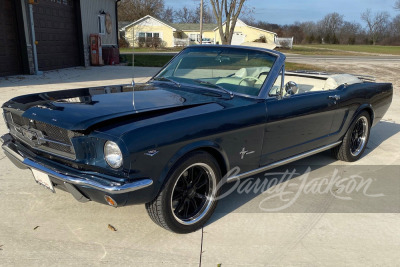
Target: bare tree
x=230 y=10
x=330 y=26
x=397 y=5
x=395 y=26
x=168 y=15
x=185 y=15
x=131 y=10
x=349 y=32
x=208 y=16
x=376 y=24
x=311 y=32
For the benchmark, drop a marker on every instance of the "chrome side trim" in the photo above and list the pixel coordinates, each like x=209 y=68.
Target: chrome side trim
x=282 y=162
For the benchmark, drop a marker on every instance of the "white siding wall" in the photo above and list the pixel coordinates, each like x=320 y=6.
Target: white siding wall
x=90 y=10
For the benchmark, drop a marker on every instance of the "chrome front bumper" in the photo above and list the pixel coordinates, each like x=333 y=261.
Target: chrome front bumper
x=107 y=186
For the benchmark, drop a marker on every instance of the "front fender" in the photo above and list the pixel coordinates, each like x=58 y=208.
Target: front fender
x=199 y=145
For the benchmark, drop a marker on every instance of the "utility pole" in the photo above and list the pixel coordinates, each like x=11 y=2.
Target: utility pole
x=33 y=38
x=201 y=21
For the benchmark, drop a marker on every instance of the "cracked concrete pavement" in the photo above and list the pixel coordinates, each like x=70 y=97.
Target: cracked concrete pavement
x=42 y=228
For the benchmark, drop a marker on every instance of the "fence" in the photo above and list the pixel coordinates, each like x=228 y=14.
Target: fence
x=181 y=42
x=284 y=42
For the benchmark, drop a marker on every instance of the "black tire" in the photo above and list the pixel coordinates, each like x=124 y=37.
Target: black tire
x=354 y=143
x=197 y=197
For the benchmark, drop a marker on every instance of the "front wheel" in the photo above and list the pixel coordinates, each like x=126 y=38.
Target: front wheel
x=356 y=139
x=189 y=197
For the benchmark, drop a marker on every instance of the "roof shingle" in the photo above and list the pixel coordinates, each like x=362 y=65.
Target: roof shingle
x=194 y=26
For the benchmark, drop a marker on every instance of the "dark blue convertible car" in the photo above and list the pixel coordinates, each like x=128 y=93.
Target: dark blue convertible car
x=169 y=142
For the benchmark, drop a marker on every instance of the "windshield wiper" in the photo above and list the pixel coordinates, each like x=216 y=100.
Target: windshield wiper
x=168 y=80
x=215 y=86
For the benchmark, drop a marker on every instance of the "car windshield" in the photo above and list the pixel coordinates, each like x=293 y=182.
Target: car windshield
x=235 y=70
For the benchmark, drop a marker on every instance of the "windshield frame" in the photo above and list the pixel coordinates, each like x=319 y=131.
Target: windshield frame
x=269 y=81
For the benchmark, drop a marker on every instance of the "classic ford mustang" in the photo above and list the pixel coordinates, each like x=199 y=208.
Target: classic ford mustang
x=169 y=142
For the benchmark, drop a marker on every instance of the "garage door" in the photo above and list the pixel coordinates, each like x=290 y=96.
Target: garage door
x=10 y=56
x=57 y=34
x=238 y=38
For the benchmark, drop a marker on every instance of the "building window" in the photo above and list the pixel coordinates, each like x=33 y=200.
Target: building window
x=102 y=24
x=194 y=37
x=143 y=36
x=149 y=39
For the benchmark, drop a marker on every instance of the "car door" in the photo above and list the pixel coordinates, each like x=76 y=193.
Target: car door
x=296 y=124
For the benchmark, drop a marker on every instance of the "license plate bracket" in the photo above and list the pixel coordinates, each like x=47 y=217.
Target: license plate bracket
x=43 y=179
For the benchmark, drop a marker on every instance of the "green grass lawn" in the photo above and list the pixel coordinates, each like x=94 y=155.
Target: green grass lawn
x=161 y=60
x=326 y=49
x=150 y=50
x=314 y=50
x=311 y=49
x=147 y=60
x=289 y=66
x=378 y=49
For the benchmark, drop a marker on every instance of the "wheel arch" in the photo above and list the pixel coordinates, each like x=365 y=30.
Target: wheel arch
x=364 y=107
x=210 y=147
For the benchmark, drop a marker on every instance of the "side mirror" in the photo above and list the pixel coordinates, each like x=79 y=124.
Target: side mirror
x=291 y=88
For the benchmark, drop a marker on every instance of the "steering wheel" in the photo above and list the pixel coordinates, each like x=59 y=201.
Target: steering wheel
x=250 y=78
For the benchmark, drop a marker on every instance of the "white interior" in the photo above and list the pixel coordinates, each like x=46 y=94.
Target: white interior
x=250 y=80
x=330 y=82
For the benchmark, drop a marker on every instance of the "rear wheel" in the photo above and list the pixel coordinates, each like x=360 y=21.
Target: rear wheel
x=188 y=199
x=355 y=140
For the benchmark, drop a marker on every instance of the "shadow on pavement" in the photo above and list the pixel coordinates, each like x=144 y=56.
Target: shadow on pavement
x=380 y=133
x=322 y=165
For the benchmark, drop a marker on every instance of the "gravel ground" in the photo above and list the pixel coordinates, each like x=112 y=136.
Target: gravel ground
x=382 y=71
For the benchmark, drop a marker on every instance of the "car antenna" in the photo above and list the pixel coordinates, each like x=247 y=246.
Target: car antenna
x=133 y=76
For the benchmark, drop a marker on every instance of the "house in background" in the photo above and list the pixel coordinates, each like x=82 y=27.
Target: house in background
x=245 y=33
x=61 y=29
x=149 y=30
x=189 y=33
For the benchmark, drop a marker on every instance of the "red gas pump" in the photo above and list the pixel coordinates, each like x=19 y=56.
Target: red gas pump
x=96 y=53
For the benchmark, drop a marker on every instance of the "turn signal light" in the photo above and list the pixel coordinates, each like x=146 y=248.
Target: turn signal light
x=110 y=201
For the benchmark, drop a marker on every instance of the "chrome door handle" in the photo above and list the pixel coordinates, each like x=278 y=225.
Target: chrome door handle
x=334 y=97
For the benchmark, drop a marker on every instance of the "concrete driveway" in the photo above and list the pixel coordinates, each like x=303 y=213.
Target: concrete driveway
x=277 y=227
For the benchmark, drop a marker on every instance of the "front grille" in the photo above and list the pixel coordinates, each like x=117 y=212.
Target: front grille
x=54 y=132
x=19 y=120
x=62 y=148
x=55 y=140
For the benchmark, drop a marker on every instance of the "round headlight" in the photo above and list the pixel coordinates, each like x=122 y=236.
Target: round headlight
x=112 y=154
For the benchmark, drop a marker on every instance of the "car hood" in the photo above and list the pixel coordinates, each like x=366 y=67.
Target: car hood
x=80 y=109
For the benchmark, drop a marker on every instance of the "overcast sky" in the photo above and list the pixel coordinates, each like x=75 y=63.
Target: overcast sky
x=289 y=11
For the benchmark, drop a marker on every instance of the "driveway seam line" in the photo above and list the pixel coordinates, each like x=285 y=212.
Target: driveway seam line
x=201 y=245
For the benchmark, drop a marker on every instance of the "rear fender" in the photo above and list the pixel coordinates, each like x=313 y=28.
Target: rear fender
x=364 y=107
